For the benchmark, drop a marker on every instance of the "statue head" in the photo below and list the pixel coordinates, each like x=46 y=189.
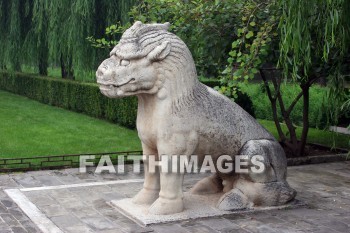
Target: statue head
x=145 y=56
x=130 y=70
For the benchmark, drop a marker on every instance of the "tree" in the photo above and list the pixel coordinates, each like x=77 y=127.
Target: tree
x=39 y=33
x=312 y=41
x=36 y=44
x=205 y=26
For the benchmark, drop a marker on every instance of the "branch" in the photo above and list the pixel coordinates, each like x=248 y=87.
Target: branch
x=266 y=84
x=274 y=108
x=288 y=121
x=289 y=110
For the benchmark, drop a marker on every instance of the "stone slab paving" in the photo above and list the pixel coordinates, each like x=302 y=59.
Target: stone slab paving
x=84 y=208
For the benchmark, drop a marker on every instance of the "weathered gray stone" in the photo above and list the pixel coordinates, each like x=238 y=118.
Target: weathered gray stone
x=219 y=224
x=323 y=214
x=43 y=200
x=128 y=226
x=85 y=211
x=54 y=210
x=66 y=221
x=3 y=209
x=48 y=180
x=79 y=229
x=27 y=181
x=10 y=220
x=98 y=223
x=18 y=230
x=7 y=203
x=112 y=196
x=18 y=214
x=174 y=228
x=199 y=228
x=177 y=115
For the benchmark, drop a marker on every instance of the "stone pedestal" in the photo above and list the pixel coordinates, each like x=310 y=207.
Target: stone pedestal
x=196 y=206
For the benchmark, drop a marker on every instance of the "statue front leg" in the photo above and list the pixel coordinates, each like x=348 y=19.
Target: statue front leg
x=151 y=186
x=170 y=199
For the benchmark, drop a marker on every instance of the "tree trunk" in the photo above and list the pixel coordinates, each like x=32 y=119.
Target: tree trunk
x=66 y=68
x=292 y=146
x=274 y=107
x=17 y=66
x=43 y=52
x=43 y=61
x=306 y=102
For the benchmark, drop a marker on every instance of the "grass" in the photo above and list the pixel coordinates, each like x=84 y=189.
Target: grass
x=262 y=104
x=29 y=128
x=323 y=137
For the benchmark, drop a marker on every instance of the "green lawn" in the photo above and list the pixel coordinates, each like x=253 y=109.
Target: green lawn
x=29 y=128
x=323 y=137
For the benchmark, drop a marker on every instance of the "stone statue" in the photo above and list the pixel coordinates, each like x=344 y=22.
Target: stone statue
x=178 y=115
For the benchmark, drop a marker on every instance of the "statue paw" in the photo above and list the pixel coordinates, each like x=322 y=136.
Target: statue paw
x=163 y=206
x=146 y=196
x=233 y=200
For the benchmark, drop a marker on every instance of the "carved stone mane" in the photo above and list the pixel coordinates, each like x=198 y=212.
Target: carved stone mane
x=178 y=67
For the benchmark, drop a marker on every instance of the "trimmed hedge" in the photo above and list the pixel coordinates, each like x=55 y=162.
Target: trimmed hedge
x=72 y=95
x=85 y=97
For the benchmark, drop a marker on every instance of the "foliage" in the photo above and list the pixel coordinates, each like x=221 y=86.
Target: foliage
x=256 y=32
x=312 y=41
x=79 y=97
x=207 y=27
x=262 y=105
x=322 y=137
x=40 y=33
x=29 y=128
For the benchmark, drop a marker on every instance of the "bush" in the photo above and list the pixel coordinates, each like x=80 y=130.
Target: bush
x=76 y=96
x=85 y=97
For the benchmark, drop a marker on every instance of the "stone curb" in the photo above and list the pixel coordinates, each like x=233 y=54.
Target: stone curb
x=317 y=159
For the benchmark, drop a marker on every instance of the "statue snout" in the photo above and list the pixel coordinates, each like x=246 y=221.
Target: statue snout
x=105 y=75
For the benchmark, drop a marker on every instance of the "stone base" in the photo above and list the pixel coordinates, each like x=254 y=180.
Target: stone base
x=196 y=206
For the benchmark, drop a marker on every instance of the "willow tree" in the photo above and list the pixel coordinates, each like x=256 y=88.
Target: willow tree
x=37 y=33
x=315 y=40
x=13 y=29
x=35 y=49
x=70 y=23
x=4 y=24
x=306 y=40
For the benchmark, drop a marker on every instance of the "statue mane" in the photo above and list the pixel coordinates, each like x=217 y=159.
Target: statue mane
x=178 y=67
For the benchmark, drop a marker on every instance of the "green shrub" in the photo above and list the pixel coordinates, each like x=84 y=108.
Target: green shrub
x=76 y=96
x=86 y=97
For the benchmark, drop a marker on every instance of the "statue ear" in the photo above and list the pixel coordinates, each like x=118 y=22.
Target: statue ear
x=160 y=52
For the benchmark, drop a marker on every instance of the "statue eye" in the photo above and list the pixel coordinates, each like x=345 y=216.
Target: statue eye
x=124 y=62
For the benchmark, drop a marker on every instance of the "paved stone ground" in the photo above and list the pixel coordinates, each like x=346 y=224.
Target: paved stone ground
x=325 y=187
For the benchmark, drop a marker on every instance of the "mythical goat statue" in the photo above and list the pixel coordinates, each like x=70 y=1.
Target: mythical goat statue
x=178 y=115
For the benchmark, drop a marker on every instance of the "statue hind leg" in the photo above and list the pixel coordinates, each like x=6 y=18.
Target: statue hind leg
x=216 y=183
x=268 y=188
x=209 y=185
